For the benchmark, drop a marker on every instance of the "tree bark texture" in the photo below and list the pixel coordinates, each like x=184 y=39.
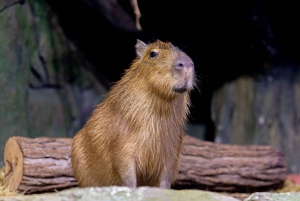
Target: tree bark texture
x=44 y=164
x=38 y=165
x=230 y=168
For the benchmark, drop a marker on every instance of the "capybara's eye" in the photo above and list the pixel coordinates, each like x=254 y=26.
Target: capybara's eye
x=153 y=54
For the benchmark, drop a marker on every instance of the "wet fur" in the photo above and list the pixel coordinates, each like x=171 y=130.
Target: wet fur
x=134 y=137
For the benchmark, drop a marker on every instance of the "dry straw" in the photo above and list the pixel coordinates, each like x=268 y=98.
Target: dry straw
x=4 y=190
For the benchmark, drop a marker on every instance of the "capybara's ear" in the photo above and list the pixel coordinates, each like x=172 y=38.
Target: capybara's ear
x=140 y=48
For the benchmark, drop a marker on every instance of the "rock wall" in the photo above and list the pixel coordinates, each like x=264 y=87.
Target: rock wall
x=46 y=87
x=262 y=109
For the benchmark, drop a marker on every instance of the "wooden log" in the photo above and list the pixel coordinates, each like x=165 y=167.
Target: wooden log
x=230 y=168
x=43 y=165
x=38 y=165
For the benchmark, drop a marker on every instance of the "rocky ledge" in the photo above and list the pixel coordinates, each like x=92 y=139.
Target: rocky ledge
x=115 y=193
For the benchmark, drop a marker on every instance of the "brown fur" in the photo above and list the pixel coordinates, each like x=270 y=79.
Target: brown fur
x=134 y=137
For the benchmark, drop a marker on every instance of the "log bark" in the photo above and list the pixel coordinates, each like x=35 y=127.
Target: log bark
x=230 y=168
x=38 y=165
x=43 y=165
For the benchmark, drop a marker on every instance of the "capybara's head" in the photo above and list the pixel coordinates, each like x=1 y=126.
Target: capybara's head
x=166 y=68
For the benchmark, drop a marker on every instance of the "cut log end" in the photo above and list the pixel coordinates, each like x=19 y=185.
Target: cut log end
x=13 y=160
x=38 y=165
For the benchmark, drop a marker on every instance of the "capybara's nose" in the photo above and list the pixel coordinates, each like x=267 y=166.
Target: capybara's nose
x=184 y=62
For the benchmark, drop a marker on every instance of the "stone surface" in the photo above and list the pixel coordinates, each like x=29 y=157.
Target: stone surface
x=115 y=193
x=274 y=197
x=46 y=88
x=261 y=110
x=124 y=194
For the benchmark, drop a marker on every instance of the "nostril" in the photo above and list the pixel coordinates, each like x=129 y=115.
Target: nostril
x=179 y=66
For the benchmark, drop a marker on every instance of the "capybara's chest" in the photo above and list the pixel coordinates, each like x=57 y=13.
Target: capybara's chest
x=150 y=160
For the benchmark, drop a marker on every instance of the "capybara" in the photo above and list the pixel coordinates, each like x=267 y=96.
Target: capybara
x=134 y=137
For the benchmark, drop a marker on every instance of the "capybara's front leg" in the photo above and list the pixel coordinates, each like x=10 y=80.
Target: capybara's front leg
x=165 y=183
x=128 y=175
x=170 y=172
x=166 y=177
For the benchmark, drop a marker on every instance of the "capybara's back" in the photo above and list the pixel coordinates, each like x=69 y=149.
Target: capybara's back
x=134 y=137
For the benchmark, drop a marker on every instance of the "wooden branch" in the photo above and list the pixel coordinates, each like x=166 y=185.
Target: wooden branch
x=43 y=165
x=137 y=13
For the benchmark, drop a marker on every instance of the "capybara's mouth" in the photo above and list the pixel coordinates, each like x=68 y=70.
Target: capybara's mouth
x=180 y=90
x=187 y=85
